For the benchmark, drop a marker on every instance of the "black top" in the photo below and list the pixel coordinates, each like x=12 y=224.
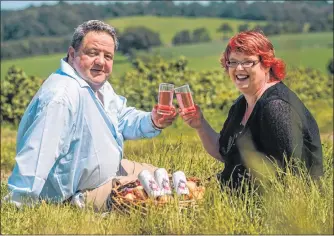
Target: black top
x=279 y=126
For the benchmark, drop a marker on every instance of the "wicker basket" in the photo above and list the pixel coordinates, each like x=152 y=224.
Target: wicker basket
x=121 y=202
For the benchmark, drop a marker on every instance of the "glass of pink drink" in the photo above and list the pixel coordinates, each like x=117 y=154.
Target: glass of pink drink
x=165 y=99
x=184 y=98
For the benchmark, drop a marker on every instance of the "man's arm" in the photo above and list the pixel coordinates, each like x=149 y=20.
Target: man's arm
x=37 y=151
x=134 y=123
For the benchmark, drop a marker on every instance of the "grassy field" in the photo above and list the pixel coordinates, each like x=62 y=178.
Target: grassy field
x=167 y=27
x=308 y=50
x=311 y=50
x=294 y=208
x=43 y=66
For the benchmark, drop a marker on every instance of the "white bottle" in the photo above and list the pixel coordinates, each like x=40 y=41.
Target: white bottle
x=150 y=185
x=161 y=176
x=180 y=181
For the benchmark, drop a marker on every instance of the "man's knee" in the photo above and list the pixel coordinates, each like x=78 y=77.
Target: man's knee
x=97 y=198
x=134 y=168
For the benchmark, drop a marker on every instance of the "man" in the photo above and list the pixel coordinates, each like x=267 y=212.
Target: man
x=70 y=138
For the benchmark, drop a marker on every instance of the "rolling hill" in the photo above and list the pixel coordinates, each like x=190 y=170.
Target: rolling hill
x=167 y=27
x=307 y=49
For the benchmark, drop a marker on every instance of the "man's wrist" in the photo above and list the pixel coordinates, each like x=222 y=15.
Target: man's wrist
x=154 y=125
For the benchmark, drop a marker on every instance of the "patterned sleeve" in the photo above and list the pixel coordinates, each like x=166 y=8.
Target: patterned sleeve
x=281 y=130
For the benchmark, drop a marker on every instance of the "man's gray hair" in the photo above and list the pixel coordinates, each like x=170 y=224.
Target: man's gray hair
x=92 y=26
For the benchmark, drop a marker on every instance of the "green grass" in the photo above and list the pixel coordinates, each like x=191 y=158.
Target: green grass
x=308 y=50
x=167 y=27
x=280 y=42
x=317 y=58
x=43 y=66
x=294 y=208
x=302 y=41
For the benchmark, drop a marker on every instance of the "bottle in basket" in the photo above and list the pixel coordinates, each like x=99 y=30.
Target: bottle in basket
x=179 y=181
x=150 y=185
x=161 y=176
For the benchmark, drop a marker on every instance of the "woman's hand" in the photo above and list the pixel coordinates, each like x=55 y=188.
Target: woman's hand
x=194 y=118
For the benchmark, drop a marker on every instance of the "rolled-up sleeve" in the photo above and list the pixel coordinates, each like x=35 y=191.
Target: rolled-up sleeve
x=133 y=123
x=37 y=152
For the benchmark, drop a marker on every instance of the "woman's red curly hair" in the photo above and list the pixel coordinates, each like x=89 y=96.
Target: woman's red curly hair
x=254 y=42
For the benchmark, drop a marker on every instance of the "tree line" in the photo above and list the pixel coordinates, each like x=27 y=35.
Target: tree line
x=48 y=29
x=62 y=18
x=137 y=38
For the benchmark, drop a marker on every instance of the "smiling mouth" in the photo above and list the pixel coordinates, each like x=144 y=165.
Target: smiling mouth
x=96 y=71
x=242 y=77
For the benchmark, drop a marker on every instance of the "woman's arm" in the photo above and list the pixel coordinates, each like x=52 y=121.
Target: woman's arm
x=209 y=137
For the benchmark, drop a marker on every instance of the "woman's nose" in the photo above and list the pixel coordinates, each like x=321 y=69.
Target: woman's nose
x=239 y=67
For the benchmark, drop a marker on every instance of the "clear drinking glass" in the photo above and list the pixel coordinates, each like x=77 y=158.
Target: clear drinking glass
x=165 y=99
x=184 y=98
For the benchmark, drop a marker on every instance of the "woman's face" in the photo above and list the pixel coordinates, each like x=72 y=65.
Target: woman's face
x=250 y=77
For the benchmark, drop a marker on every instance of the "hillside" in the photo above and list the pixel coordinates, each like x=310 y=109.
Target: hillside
x=168 y=26
x=308 y=50
x=43 y=66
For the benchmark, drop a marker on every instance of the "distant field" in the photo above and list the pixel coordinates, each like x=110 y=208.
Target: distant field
x=313 y=50
x=308 y=50
x=168 y=26
x=43 y=66
x=310 y=57
x=304 y=40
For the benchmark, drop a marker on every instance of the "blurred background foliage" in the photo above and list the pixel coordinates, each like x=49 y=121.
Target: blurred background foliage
x=161 y=41
x=47 y=29
x=211 y=89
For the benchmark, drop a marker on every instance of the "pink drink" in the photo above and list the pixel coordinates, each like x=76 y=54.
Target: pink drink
x=165 y=102
x=185 y=100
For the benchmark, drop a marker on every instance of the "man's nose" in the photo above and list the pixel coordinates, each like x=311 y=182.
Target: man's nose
x=100 y=60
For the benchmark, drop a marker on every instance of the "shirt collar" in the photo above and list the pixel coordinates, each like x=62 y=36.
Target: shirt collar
x=67 y=69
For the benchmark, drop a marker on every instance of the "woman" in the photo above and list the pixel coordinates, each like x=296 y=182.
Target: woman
x=267 y=118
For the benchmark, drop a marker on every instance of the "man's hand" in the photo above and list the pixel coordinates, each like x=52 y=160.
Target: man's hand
x=162 y=121
x=194 y=118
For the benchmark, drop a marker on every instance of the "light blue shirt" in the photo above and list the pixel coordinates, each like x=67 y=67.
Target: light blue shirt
x=69 y=141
